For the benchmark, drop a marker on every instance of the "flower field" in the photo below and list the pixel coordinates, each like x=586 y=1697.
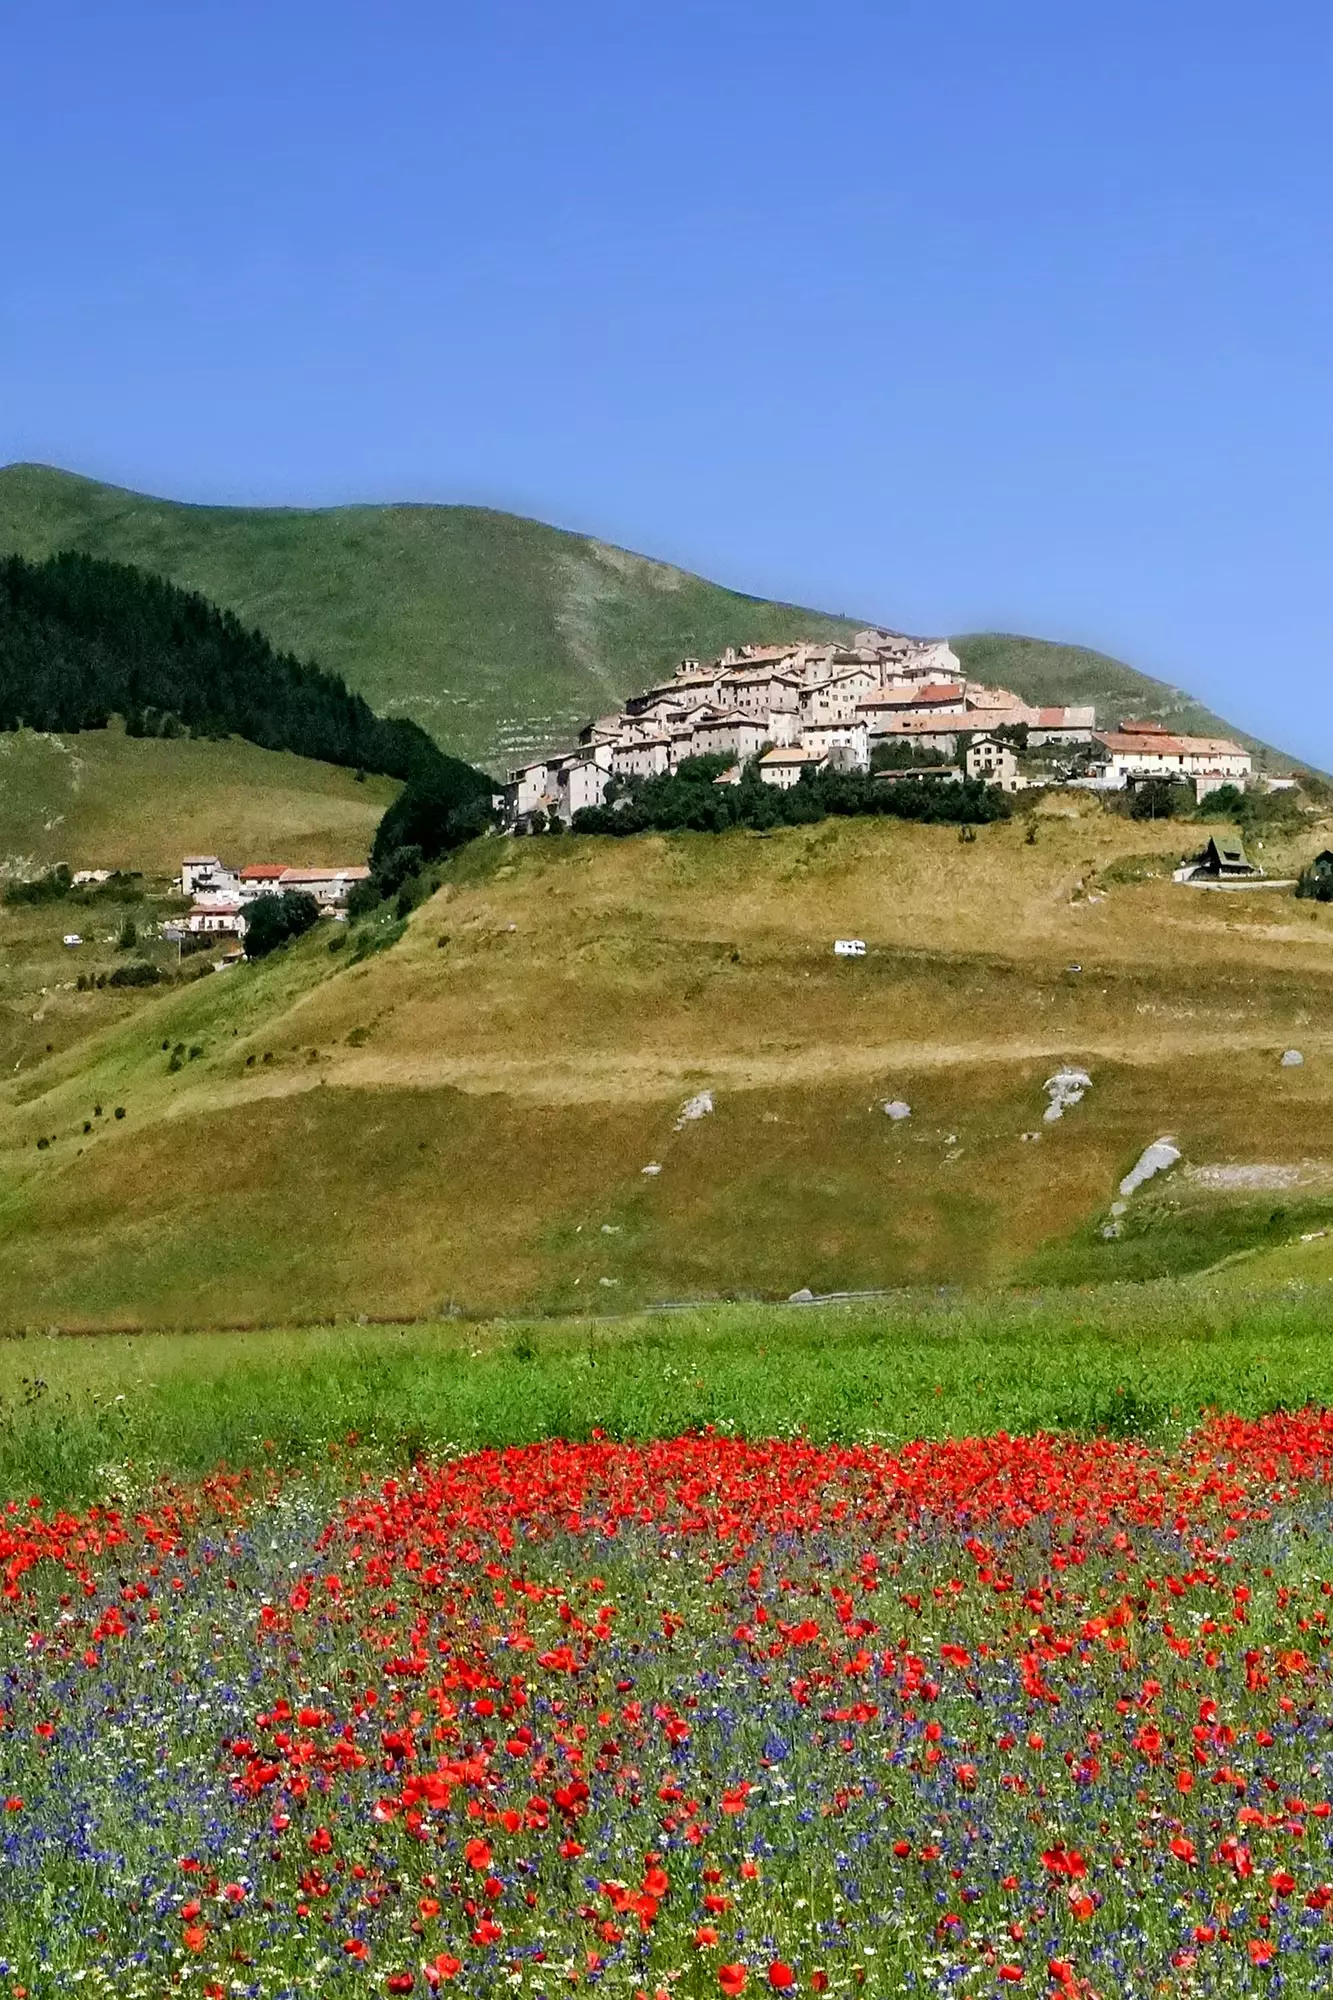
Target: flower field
x=692 y=1717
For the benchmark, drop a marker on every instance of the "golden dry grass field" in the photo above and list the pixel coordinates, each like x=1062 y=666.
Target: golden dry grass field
x=102 y=799
x=464 y=1118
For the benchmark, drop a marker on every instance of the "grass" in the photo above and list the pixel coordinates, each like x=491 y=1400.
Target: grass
x=462 y=1119
x=1163 y=1238
x=102 y=799
x=498 y=634
x=79 y=1415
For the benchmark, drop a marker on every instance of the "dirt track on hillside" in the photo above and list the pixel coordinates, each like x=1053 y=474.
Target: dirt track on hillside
x=625 y=1077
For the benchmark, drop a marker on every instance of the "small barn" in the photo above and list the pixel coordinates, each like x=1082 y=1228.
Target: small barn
x=1224 y=860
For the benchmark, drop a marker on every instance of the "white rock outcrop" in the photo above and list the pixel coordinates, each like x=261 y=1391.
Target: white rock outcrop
x=1065 y=1089
x=1154 y=1159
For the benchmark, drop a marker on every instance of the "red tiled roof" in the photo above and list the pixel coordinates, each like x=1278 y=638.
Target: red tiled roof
x=1145 y=744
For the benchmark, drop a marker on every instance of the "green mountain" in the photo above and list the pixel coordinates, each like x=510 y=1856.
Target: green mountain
x=497 y=634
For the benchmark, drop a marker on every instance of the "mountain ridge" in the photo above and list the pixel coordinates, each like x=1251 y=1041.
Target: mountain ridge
x=499 y=634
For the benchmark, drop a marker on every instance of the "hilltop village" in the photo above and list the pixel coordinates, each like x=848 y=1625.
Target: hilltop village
x=900 y=706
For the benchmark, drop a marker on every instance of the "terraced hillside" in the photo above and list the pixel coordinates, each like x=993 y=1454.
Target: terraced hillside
x=497 y=634
x=465 y=1116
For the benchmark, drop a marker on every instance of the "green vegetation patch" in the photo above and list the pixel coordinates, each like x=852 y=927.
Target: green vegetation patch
x=78 y=1416
x=1162 y=1237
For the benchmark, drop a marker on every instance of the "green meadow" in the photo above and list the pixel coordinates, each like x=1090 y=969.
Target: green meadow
x=82 y=1417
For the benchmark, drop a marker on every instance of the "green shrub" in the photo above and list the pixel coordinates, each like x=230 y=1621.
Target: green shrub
x=275 y=920
x=1316 y=884
x=48 y=888
x=138 y=973
x=1158 y=799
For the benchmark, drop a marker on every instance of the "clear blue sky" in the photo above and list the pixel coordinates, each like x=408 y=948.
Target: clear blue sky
x=951 y=313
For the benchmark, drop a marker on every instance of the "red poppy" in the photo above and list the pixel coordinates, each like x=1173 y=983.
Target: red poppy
x=439 y=1971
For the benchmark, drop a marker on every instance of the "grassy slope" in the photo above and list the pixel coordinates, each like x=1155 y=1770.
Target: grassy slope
x=465 y=1117
x=496 y=633
x=103 y=799
x=1048 y=673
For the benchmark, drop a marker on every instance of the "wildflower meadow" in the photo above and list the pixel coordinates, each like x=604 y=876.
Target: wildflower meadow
x=692 y=1717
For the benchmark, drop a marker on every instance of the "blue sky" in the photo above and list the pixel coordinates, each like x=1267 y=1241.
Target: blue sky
x=949 y=313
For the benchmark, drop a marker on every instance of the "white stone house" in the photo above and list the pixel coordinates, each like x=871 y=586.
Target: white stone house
x=531 y=788
x=835 y=699
x=1062 y=725
x=686 y=687
x=1147 y=750
x=784 y=768
x=827 y=737
x=756 y=691
x=1216 y=753
x=330 y=887
x=204 y=875
x=216 y=916
x=261 y=878
x=733 y=735
x=921 y=730
x=993 y=761
x=582 y=782
x=645 y=756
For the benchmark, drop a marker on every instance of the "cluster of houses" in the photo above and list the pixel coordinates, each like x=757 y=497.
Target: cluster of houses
x=219 y=895
x=813 y=706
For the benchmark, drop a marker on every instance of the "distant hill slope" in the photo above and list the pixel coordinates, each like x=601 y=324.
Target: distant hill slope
x=498 y=634
x=1045 y=672
x=102 y=799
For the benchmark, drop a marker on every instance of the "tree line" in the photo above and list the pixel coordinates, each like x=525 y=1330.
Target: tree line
x=690 y=800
